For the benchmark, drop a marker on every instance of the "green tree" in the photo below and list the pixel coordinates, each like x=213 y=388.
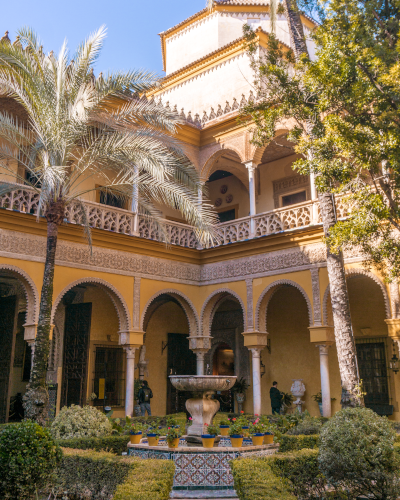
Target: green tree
x=78 y=129
x=281 y=95
x=359 y=100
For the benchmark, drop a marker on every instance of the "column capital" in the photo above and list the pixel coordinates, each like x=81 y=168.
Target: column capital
x=393 y=328
x=200 y=343
x=250 y=164
x=131 y=337
x=322 y=334
x=324 y=348
x=30 y=331
x=256 y=351
x=130 y=351
x=255 y=339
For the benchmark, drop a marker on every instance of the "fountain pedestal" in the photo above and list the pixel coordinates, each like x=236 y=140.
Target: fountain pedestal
x=202 y=408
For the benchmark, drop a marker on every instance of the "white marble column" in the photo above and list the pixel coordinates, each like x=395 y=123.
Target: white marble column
x=200 y=362
x=130 y=380
x=135 y=205
x=255 y=354
x=325 y=383
x=314 y=198
x=251 y=167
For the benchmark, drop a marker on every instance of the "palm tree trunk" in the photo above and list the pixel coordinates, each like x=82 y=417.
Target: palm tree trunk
x=36 y=398
x=345 y=344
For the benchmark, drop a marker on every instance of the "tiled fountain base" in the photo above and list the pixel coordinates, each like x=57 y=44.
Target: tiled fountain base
x=198 y=468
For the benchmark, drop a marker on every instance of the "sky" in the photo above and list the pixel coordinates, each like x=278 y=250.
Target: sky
x=132 y=26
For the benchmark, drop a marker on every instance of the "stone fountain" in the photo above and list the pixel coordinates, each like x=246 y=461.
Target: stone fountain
x=199 y=470
x=202 y=408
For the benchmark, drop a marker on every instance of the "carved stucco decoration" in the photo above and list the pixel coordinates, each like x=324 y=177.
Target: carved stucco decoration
x=211 y=304
x=114 y=294
x=265 y=297
x=352 y=273
x=29 y=288
x=184 y=302
x=289 y=185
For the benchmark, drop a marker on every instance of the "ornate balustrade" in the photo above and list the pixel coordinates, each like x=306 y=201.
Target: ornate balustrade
x=118 y=220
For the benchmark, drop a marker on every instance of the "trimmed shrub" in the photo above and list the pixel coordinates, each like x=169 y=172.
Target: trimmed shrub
x=306 y=427
x=255 y=480
x=28 y=457
x=357 y=455
x=74 y=421
x=113 y=444
x=101 y=475
x=288 y=442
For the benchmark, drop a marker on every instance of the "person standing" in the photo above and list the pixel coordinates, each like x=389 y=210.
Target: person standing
x=144 y=395
x=276 y=398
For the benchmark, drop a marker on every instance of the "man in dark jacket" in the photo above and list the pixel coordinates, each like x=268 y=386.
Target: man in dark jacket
x=276 y=398
x=144 y=395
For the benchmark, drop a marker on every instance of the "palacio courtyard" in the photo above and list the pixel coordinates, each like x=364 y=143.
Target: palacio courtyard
x=141 y=304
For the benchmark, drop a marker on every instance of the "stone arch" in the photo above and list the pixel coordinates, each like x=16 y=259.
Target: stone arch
x=183 y=301
x=265 y=297
x=280 y=137
x=211 y=304
x=209 y=166
x=351 y=273
x=30 y=291
x=119 y=302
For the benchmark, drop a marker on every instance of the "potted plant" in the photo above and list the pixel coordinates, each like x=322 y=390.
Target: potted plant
x=153 y=436
x=136 y=432
x=173 y=435
x=208 y=438
x=236 y=434
x=287 y=401
x=257 y=431
x=318 y=399
x=224 y=426
x=239 y=389
x=268 y=437
x=245 y=425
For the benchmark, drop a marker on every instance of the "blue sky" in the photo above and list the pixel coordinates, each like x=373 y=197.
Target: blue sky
x=133 y=27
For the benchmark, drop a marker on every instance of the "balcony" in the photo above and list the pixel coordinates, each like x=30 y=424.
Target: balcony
x=301 y=215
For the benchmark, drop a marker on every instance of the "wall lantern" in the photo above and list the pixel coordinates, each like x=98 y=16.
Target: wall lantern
x=394 y=363
x=262 y=368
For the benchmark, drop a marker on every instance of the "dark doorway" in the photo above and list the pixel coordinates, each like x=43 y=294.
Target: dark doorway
x=181 y=361
x=76 y=345
x=8 y=306
x=109 y=376
x=373 y=373
x=227 y=215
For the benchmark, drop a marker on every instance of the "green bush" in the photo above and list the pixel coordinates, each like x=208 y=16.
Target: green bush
x=310 y=425
x=28 y=457
x=101 y=475
x=74 y=421
x=255 y=480
x=357 y=454
x=288 y=442
x=113 y=444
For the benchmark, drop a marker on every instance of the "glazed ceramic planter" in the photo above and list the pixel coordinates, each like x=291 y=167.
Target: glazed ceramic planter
x=245 y=430
x=224 y=429
x=236 y=441
x=208 y=440
x=258 y=439
x=173 y=443
x=135 y=438
x=268 y=438
x=153 y=439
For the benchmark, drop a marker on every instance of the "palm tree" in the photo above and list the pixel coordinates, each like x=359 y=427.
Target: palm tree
x=80 y=129
x=344 y=338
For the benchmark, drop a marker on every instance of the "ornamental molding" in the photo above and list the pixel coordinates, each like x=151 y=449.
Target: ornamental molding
x=211 y=304
x=29 y=289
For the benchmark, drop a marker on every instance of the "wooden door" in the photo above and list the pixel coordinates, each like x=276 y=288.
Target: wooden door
x=8 y=307
x=76 y=351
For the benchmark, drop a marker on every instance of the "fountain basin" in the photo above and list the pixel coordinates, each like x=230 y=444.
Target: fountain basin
x=202 y=383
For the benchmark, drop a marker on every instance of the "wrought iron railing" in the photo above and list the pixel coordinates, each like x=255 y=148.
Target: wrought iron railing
x=118 y=220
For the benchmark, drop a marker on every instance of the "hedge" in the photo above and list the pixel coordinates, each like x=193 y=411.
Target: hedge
x=100 y=475
x=299 y=442
x=113 y=444
x=278 y=477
